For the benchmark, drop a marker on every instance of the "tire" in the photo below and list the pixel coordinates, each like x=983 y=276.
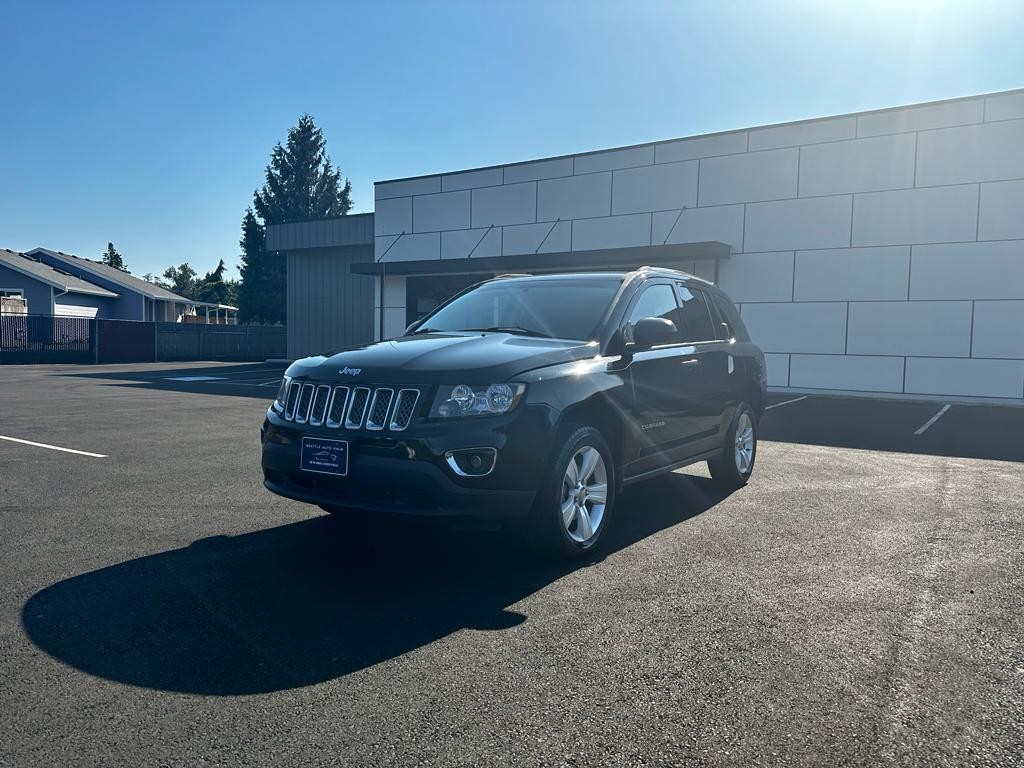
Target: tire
x=736 y=464
x=568 y=527
x=357 y=522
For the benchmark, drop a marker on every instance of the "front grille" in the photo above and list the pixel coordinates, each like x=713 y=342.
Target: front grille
x=404 y=408
x=379 y=407
x=319 y=409
x=293 y=400
x=357 y=408
x=305 y=401
x=375 y=409
x=337 y=410
x=282 y=392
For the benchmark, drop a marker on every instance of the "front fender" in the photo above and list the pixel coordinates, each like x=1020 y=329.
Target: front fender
x=597 y=390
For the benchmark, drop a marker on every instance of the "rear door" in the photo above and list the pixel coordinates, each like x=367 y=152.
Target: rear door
x=665 y=382
x=701 y=328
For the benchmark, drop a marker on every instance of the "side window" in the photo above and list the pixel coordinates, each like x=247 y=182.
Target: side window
x=657 y=300
x=695 y=315
x=728 y=312
x=723 y=328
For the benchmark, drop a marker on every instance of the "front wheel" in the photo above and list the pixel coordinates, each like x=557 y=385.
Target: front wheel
x=736 y=464
x=576 y=502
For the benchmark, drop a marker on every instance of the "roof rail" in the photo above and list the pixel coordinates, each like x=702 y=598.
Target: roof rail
x=672 y=271
x=512 y=274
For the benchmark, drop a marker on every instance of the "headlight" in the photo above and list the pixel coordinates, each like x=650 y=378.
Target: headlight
x=475 y=400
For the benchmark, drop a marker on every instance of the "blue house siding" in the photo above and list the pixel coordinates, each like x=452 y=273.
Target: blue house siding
x=36 y=293
x=131 y=306
x=103 y=305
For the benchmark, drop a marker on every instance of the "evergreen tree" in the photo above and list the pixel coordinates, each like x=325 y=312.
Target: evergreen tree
x=113 y=259
x=261 y=293
x=300 y=184
x=232 y=296
x=213 y=288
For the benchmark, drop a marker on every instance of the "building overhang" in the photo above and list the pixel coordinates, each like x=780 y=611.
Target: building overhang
x=353 y=229
x=566 y=261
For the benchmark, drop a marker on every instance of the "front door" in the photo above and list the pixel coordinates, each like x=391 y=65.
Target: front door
x=665 y=381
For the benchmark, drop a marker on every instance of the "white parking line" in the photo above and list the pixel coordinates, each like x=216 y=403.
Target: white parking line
x=53 y=447
x=921 y=430
x=786 y=402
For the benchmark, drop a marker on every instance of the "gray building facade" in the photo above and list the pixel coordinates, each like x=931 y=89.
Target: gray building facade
x=877 y=252
x=329 y=304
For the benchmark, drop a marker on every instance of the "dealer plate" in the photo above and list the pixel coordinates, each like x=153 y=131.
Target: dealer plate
x=328 y=457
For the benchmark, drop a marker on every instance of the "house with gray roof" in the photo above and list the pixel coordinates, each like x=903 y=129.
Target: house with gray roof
x=48 y=290
x=137 y=298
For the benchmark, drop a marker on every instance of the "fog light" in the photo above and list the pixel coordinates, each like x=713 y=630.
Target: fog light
x=472 y=462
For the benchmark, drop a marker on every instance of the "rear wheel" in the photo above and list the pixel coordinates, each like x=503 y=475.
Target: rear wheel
x=576 y=501
x=736 y=463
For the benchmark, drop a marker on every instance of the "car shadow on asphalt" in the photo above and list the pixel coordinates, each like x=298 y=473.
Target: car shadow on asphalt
x=308 y=602
x=256 y=380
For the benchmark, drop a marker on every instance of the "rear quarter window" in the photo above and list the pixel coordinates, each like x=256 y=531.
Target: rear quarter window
x=696 y=317
x=730 y=314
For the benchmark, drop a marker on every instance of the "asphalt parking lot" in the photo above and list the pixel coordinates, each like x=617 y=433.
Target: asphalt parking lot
x=858 y=603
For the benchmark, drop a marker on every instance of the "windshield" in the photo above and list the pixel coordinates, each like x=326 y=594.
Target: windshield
x=561 y=309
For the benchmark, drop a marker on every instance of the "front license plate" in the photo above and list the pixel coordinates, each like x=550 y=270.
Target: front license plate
x=329 y=457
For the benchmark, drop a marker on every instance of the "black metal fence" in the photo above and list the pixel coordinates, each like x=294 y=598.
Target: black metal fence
x=197 y=341
x=48 y=339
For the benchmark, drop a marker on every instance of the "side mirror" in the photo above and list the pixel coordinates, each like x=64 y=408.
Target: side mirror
x=652 y=331
x=411 y=327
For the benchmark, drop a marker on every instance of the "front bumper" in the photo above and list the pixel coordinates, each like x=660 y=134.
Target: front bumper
x=406 y=473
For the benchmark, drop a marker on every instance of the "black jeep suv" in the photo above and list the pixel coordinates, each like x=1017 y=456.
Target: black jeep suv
x=536 y=397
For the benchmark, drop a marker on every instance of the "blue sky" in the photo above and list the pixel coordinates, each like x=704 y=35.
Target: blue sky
x=150 y=124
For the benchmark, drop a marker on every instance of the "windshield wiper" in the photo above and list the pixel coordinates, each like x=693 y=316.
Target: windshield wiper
x=516 y=329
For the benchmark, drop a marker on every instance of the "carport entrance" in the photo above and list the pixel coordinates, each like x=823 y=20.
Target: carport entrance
x=425 y=283
x=424 y=293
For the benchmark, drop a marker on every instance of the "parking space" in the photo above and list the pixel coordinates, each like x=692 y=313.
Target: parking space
x=858 y=603
x=934 y=428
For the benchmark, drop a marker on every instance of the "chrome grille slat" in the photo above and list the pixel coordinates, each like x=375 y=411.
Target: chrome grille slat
x=318 y=411
x=377 y=416
x=336 y=411
x=305 y=404
x=357 y=407
x=281 y=399
x=293 y=400
x=405 y=406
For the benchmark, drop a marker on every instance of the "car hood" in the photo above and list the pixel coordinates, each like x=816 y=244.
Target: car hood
x=442 y=358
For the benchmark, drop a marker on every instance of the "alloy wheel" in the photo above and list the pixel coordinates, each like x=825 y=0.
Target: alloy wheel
x=584 y=494
x=744 y=448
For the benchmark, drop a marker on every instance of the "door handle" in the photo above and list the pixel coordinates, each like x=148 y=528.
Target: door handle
x=691 y=361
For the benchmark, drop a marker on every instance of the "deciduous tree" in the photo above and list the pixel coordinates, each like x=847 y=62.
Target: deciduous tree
x=181 y=280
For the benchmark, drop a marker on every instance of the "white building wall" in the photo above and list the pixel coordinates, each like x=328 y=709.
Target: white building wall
x=876 y=252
